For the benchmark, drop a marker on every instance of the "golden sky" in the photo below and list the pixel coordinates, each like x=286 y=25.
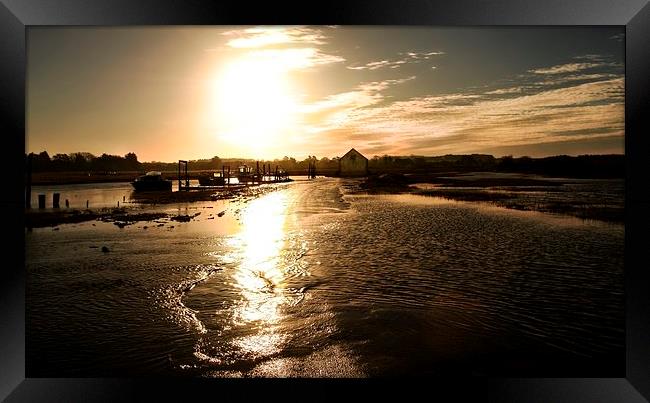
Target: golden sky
x=169 y=93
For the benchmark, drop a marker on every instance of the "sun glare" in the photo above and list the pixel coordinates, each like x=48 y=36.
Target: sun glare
x=254 y=103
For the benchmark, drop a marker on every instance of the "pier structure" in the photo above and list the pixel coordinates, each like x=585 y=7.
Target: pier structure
x=245 y=175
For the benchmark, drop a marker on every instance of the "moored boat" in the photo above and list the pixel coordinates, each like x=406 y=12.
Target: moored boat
x=245 y=174
x=214 y=179
x=152 y=181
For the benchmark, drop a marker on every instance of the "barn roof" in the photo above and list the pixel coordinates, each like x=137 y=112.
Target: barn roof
x=351 y=151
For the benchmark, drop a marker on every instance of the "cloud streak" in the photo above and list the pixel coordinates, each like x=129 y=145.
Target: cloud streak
x=566 y=68
x=282 y=48
x=407 y=57
x=263 y=37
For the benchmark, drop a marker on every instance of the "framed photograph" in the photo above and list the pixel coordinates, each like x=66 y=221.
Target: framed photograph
x=211 y=196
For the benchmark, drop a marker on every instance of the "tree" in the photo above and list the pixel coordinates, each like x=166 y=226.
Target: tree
x=40 y=161
x=131 y=162
x=61 y=162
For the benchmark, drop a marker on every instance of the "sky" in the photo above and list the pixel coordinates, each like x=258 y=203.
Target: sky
x=170 y=93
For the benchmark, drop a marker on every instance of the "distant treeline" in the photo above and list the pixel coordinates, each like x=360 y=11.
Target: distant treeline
x=82 y=162
x=582 y=166
x=602 y=166
x=87 y=162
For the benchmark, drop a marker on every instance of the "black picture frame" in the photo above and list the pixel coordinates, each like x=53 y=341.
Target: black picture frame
x=17 y=15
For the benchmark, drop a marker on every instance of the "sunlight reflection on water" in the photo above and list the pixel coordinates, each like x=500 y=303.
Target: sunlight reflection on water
x=258 y=276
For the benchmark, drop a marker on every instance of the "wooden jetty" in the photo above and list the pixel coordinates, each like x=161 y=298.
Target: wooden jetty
x=245 y=176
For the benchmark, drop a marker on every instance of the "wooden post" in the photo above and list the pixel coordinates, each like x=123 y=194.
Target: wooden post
x=187 y=179
x=179 y=175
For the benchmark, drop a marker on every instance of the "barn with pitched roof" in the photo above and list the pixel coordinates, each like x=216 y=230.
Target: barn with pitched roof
x=353 y=163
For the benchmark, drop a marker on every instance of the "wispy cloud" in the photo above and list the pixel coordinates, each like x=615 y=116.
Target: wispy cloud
x=338 y=110
x=502 y=91
x=565 y=68
x=558 y=104
x=407 y=57
x=282 y=48
x=584 y=62
x=591 y=57
x=378 y=65
x=421 y=55
x=263 y=36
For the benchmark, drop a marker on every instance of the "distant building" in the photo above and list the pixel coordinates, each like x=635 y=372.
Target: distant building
x=353 y=163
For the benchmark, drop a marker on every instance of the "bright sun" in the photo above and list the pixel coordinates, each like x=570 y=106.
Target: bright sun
x=254 y=104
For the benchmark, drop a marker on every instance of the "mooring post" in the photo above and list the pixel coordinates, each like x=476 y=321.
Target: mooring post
x=41 y=201
x=55 y=199
x=179 y=175
x=67 y=203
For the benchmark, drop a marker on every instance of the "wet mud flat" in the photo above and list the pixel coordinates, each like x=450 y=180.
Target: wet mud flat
x=591 y=199
x=313 y=280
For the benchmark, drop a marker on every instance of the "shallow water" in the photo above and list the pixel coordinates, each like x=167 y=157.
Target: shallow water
x=99 y=195
x=602 y=199
x=309 y=280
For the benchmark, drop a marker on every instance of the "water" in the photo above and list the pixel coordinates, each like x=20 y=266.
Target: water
x=310 y=280
x=99 y=195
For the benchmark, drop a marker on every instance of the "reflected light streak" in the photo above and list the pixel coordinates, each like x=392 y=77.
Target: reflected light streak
x=258 y=276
